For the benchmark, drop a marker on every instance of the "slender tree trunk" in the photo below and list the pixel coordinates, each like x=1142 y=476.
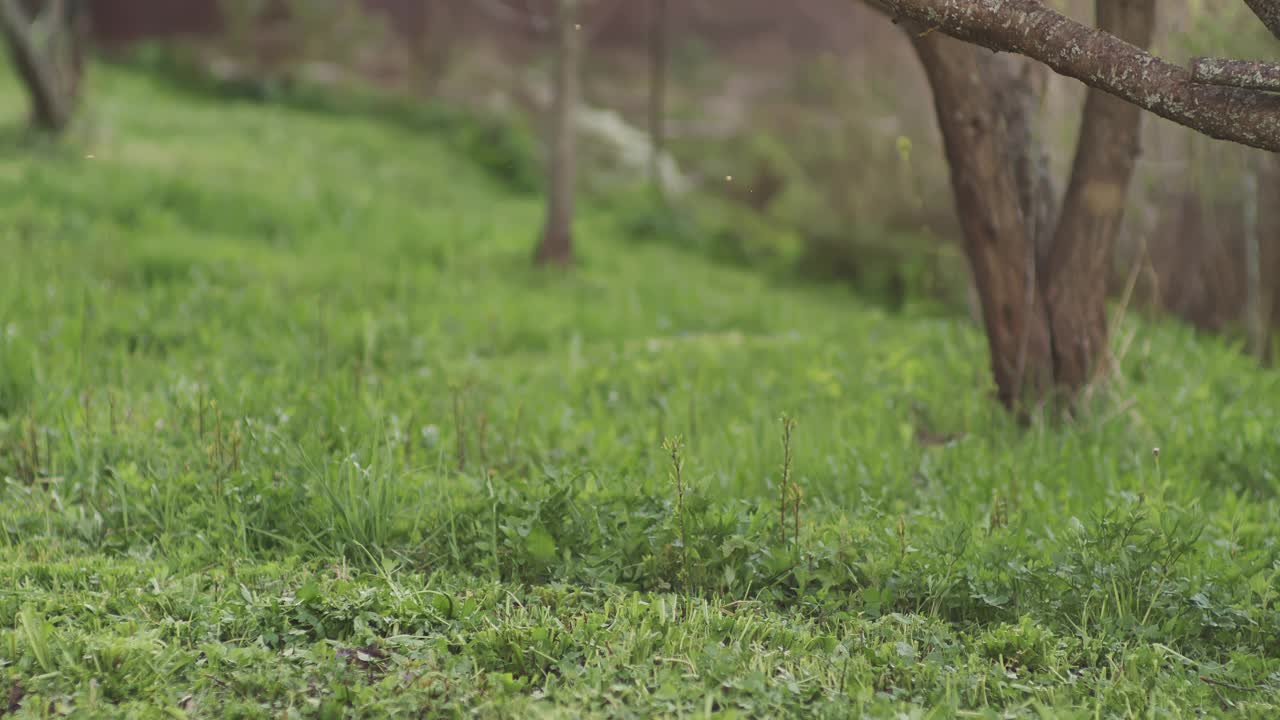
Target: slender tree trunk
x=1106 y=151
x=1269 y=241
x=975 y=119
x=75 y=26
x=1255 y=315
x=556 y=246
x=431 y=45
x=53 y=89
x=657 y=89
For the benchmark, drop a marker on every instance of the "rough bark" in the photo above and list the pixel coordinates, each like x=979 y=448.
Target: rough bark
x=1105 y=62
x=1268 y=11
x=556 y=246
x=1040 y=272
x=53 y=89
x=977 y=123
x=657 y=90
x=1236 y=73
x=1018 y=85
x=1106 y=150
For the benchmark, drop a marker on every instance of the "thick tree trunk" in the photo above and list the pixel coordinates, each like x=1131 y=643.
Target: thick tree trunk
x=1019 y=85
x=556 y=246
x=1106 y=151
x=1041 y=274
x=51 y=79
x=657 y=89
x=980 y=128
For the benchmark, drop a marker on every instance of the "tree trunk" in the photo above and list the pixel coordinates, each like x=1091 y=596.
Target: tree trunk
x=1040 y=274
x=557 y=238
x=984 y=140
x=657 y=90
x=1269 y=241
x=1019 y=85
x=431 y=44
x=74 y=36
x=1254 y=314
x=51 y=74
x=1106 y=151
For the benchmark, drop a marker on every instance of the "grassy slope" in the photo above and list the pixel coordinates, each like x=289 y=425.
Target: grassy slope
x=243 y=340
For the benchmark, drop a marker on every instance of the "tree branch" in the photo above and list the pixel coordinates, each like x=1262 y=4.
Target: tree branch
x=1236 y=73
x=1268 y=11
x=1103 y=61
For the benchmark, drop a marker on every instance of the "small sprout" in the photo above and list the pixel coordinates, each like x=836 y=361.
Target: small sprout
x=999 y=513
x=902 y=536
x=674 y=446
x=787 y=496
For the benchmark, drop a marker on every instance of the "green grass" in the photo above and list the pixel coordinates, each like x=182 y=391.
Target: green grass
x=288 y=424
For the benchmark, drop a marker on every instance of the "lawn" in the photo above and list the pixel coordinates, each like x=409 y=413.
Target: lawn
x=289 y=426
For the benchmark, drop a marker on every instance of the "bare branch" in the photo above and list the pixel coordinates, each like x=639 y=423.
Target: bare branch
x=1268 y=11
x=1236 y=73
x=1103 y=61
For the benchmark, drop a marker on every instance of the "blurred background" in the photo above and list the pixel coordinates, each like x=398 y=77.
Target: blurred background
x=801 y=133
